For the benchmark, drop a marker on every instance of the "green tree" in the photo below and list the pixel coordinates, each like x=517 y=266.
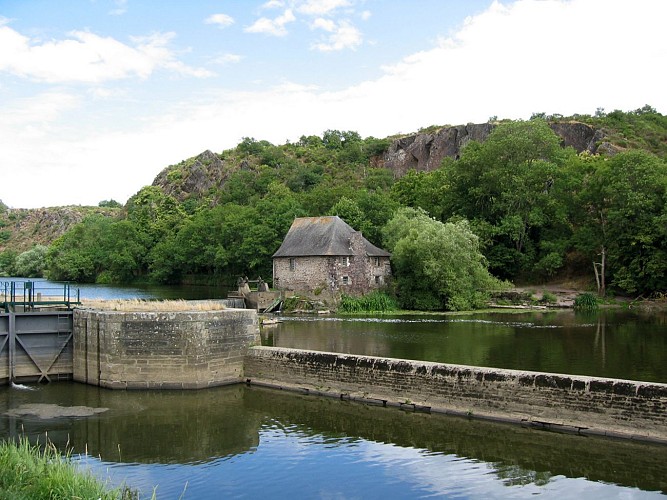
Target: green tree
x=109 y=203
x=378 y=207
x=240 y=188
x=349 y=211
x=621 y=221
x=31 y=263
x=123 y=253
x=278 y=209
x=154 y=214
x=7 y=262
x=505 y=187
x=437 y=265
x=77 y=255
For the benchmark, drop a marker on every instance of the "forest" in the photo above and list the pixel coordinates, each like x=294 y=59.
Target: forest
x=516 y=208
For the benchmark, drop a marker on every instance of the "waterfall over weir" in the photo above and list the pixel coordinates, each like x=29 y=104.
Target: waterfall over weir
x=234 y=303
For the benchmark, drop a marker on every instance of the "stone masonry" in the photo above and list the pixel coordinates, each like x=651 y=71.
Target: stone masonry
x=162 y=350
x=586 y=405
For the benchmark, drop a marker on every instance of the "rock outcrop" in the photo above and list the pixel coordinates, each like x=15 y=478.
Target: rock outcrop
x=199 y=176
x=425 y=152
x=22 y=228
x=194 y=177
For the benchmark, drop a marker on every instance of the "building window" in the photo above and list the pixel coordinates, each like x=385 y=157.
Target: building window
x=345 y=261
x=346 y=280
x=377 y=261
x=378 y=280
x=292 y=264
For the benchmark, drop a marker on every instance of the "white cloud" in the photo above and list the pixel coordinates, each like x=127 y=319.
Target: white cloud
x=121 y=8
x=511 y=60
x=366 y=15
x=222 y=20
x=321 y=7
x=343 y=36
x=88 y=58
x=290 y=87
x=324 y=24
x=275 y=27
x=273 y=4
x=225 y=59
x=35 y=112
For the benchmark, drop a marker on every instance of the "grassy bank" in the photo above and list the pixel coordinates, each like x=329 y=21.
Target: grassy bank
x=28 y=471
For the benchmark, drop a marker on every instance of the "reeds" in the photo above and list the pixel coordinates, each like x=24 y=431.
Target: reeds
x=586 y=302
x=30 y=471
x=371 y=302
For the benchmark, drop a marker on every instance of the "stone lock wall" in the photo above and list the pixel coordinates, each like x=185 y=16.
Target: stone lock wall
x=586 y=405
x=162 y=350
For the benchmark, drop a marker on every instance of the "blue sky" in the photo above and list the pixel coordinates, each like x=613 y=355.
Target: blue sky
x=98 y=96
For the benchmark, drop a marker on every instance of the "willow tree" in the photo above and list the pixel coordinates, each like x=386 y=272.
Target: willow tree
x=437 y=265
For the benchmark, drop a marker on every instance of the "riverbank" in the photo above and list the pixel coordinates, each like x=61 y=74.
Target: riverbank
x=28 y=471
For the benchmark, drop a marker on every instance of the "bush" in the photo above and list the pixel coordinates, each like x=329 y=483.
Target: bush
x=586 y=302
x=549 y=298
x=31 y=263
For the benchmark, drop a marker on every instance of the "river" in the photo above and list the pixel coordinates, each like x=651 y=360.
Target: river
x=625 y=344
x=241 y=442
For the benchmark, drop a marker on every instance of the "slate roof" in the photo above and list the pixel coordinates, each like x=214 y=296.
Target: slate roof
x=322 y=236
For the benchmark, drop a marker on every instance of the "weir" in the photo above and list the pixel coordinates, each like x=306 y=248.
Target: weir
x=567 y=403
x=199 y=349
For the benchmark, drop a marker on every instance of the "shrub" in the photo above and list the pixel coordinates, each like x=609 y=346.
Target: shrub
x=586 y=302
x=549 y=298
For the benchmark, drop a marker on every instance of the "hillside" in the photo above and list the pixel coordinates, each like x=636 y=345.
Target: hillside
x=21 y=229
x=537 y=195
x=203 y=176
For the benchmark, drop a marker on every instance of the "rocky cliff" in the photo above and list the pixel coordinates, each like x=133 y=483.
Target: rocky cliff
x=193 y=177
x=23 y=228
x=425 y=152
x=197 y=176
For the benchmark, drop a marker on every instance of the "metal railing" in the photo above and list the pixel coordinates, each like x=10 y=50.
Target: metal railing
x=28 y=295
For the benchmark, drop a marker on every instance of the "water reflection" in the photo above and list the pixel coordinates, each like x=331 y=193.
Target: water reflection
x=616 y=344
x=252 y=442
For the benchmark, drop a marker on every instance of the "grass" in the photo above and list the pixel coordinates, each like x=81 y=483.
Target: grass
x=372 y=302
x=137 y=305
x=28 y=471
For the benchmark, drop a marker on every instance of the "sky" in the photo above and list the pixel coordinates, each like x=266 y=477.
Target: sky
x=98 y=96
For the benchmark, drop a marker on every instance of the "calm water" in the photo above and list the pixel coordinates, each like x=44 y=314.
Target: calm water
x=611 y=343
x=239 y=442
x=106 y=292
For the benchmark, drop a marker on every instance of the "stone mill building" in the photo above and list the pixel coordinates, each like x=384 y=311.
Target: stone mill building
x=325 y=253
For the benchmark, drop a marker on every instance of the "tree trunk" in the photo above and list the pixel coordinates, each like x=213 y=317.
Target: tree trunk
x=600 y=269
x=603 y=264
